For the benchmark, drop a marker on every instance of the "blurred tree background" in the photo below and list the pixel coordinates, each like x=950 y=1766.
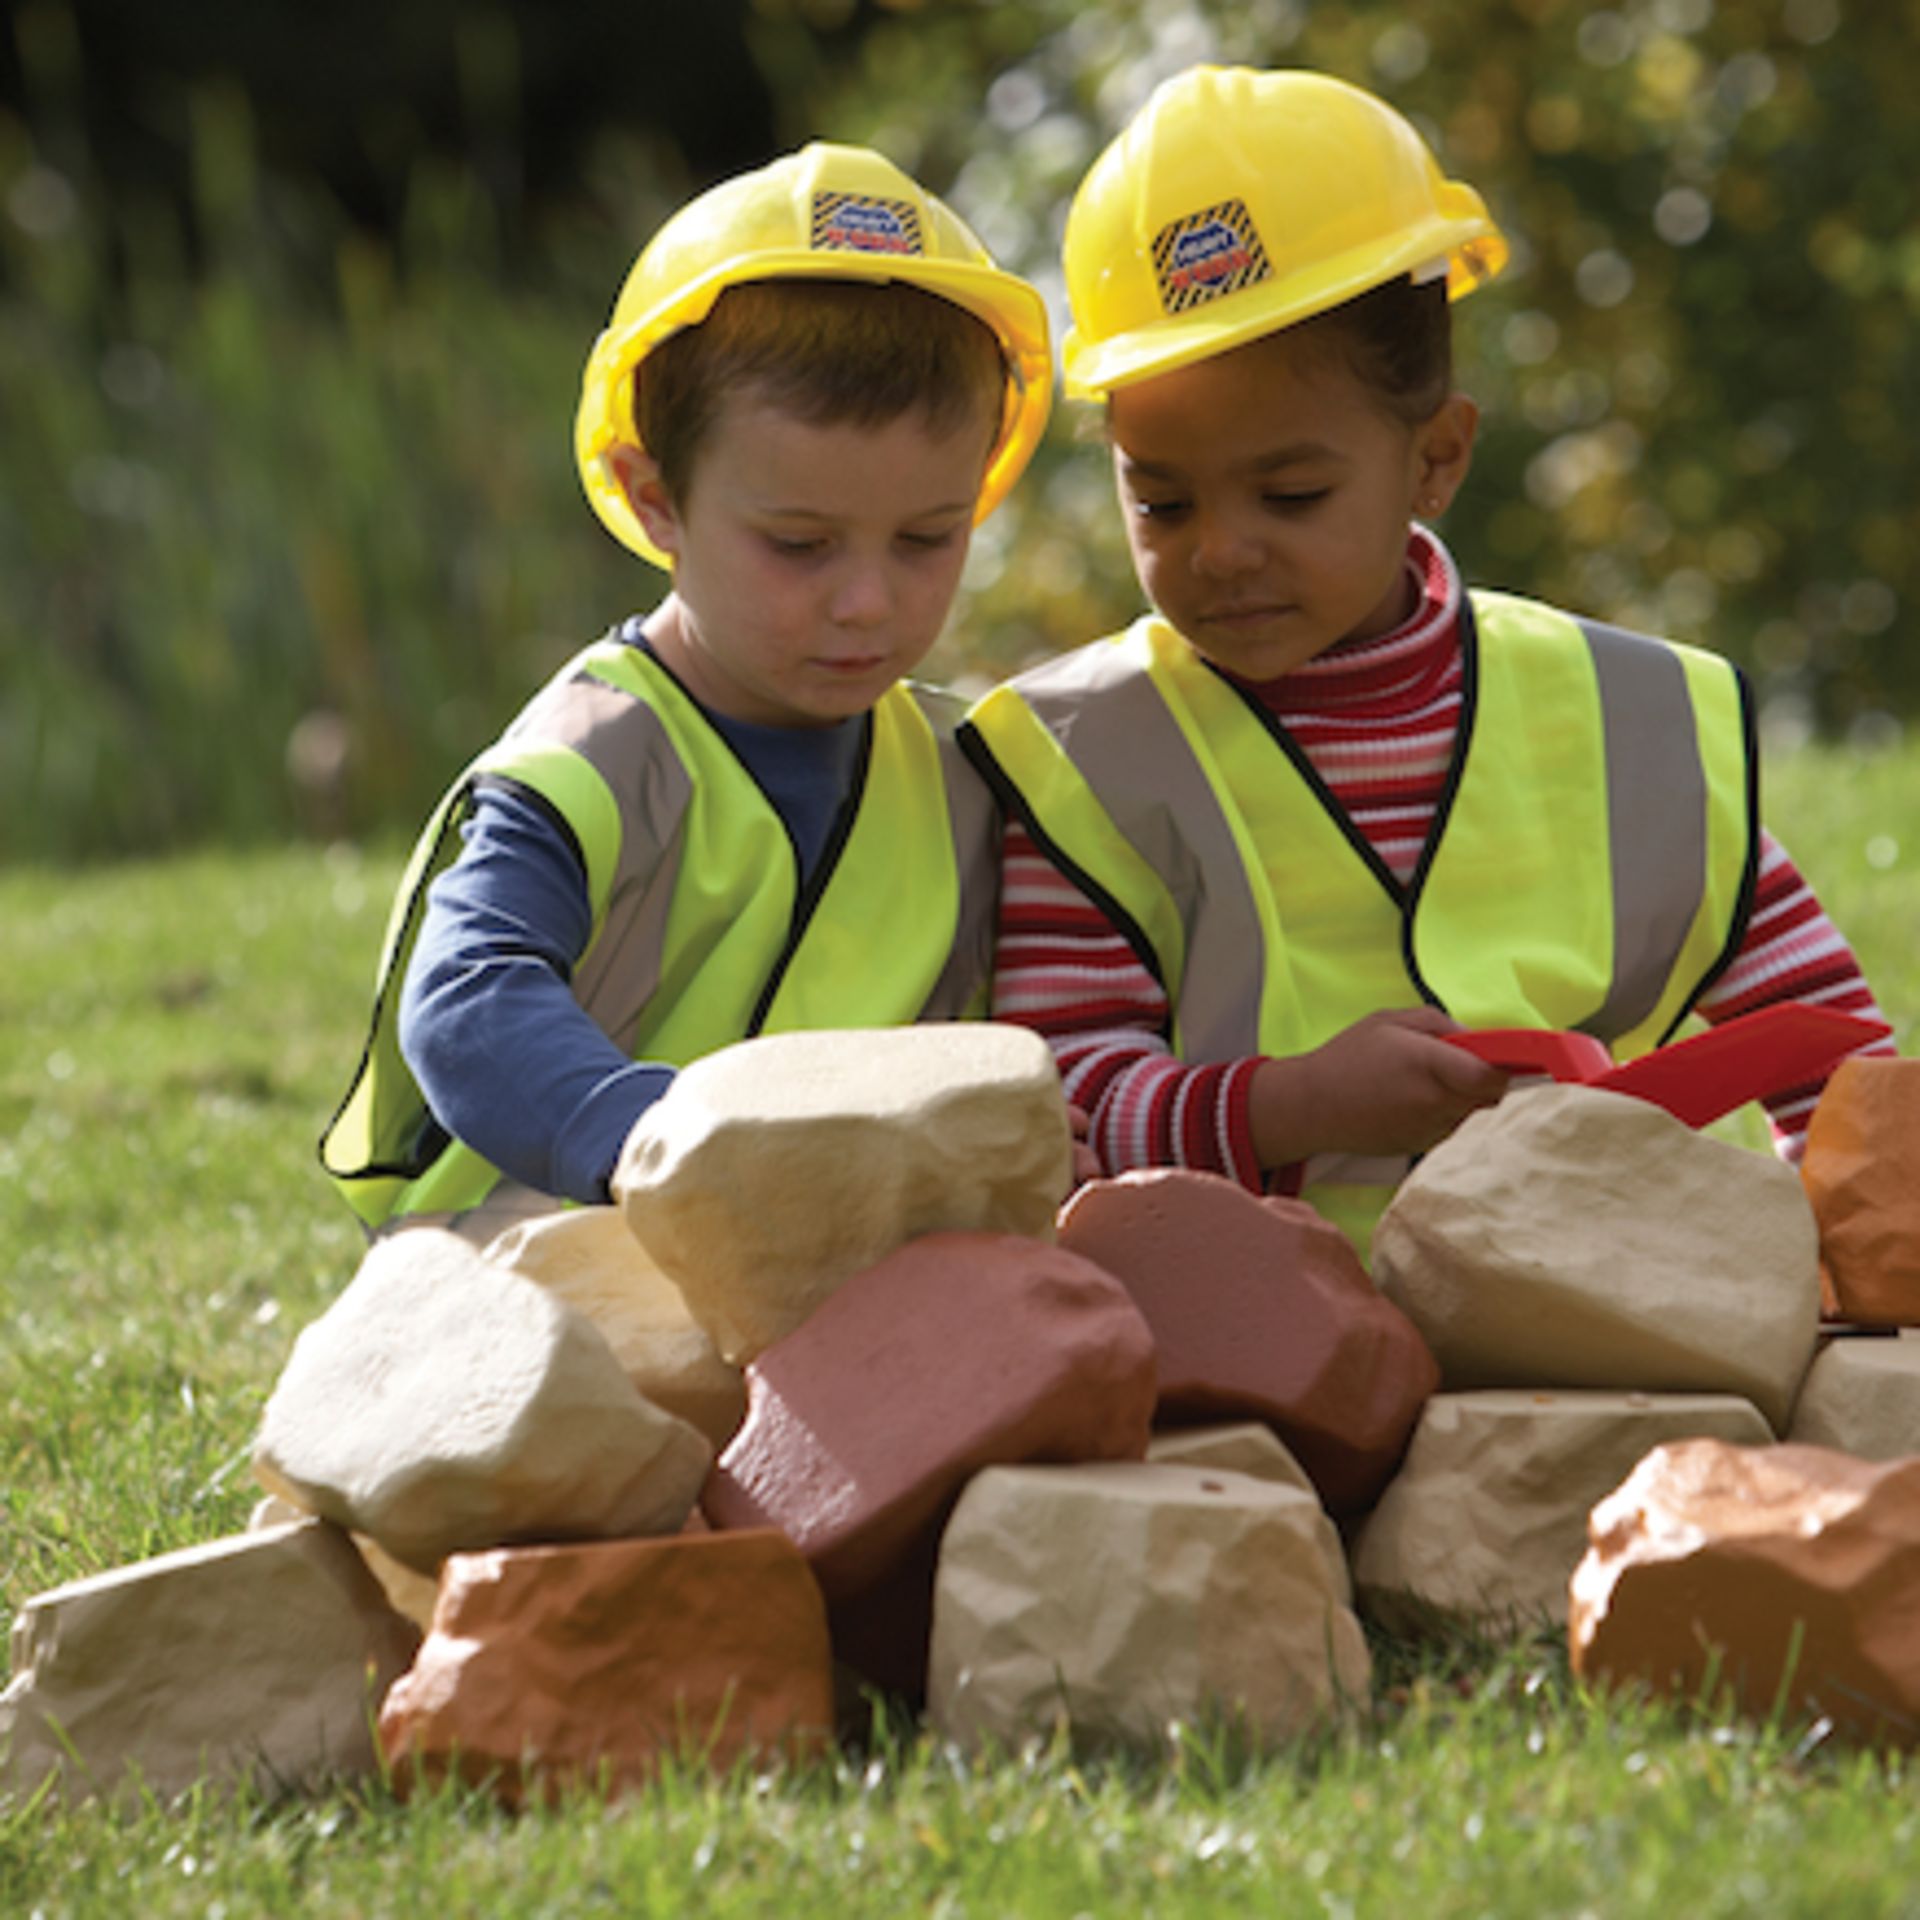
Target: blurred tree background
x=293 y=303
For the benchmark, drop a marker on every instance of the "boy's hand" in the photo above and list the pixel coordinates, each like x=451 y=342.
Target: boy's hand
x=1388 y=1084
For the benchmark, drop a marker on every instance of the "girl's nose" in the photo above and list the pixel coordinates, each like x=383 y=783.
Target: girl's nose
x=1224 y=547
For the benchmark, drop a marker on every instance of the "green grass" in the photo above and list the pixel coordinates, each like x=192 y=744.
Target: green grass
x=172 y=1037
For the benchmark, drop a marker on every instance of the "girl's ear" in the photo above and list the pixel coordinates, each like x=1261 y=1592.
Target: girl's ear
x=1443 y=451
x=638 y=476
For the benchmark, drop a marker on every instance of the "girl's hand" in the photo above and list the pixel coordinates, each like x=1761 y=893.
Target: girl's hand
x=1388 y=1084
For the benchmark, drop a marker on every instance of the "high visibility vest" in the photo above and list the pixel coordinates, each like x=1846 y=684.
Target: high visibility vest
x=1590 y=865
x=702 y=933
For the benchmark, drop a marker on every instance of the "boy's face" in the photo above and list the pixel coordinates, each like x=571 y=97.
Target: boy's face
x=1267 y=494
x=813 y=565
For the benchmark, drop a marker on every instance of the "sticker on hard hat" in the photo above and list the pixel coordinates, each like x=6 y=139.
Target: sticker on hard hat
x=865 y=223
x=1207 y=255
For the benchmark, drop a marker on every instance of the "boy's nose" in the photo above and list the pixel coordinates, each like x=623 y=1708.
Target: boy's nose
x=862 y=597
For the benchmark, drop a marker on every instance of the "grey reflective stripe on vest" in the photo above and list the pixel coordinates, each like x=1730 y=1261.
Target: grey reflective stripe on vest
x=1176 y=825
x=974 y=822
x=1656 y=828
x=628 y=745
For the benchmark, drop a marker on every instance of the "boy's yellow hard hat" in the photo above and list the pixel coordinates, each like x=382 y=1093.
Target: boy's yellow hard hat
x=826 y=212
x=1237 y=202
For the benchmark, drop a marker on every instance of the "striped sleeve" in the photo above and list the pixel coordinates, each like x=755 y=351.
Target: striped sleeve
x=1063 y=969
x=1791 y=952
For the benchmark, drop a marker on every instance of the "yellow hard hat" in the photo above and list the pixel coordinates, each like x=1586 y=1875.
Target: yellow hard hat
x=826 y=212
x=1237 y=202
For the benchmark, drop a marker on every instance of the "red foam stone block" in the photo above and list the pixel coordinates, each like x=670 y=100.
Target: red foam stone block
x=960 y=1351
x=1786 y=1575
x=1261 y=1309
x=547 y=1667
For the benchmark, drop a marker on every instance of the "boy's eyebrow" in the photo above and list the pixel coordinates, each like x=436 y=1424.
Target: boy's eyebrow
x=774 y=511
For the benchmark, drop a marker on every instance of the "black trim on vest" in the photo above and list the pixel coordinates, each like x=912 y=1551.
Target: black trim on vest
x=1450 y=792
x=1750 y=873
x=1310 y=774
x=981 y=757
x=412 y=1167
x=808 y=896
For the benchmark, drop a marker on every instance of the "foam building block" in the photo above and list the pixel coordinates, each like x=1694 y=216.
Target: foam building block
x=1261 y=1308
x=550 y=1667
x=1862 y=1175
x=588 y=1257
x=442 y=1404
x=1236 y=1446
x=1862 y=1396
x=1124 y=1599
x=959 y=1351
x=259 y=1657
x=849 y=1144
x=1790 y=1574
x=1571 y=1237
x=1487 y=1517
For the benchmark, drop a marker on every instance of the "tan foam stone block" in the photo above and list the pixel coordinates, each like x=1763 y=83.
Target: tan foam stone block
x=553 y=1666
x=1570 y=1237
x=1261 y=1307
x=1862 y=1175
x=1862 y=1396
x=1789 y=1574
x=442 y=1404
x=245 y=1658
x=1125 y=1598
x=961 y=1350
x=588 y=1257
x=774 y=1169
x=409 y=1594
x=1487 y=1518
x=1240 y=1446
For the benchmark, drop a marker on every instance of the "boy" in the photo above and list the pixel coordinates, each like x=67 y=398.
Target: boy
x=1267 y=849
x=727 y=817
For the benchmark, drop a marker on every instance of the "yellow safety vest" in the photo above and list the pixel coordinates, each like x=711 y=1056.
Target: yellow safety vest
x=702 y=934
x=1590 y=865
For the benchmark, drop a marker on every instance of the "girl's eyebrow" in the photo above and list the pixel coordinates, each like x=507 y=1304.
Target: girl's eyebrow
x=1297 y=453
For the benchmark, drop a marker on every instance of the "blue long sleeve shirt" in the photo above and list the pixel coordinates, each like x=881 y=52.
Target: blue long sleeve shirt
x=507 y=1059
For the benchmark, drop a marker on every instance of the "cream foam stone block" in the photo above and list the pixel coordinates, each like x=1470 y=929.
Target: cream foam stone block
x=1123 y=1597
x=1788 y=1575
x=409 y=1594
x=1487 y=1516
x=260 y=1656
x=1570 y=1237
x=588 y=1257
x=1239 y=1446
x=1862 y=1396
x=441 y=1404
x=774 y=1169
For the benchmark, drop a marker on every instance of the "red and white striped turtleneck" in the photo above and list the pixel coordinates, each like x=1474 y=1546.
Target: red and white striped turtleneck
x=1377 y=719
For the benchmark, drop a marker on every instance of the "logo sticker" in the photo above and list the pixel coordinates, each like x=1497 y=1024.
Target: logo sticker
x=1207 y=255
x=865 y=223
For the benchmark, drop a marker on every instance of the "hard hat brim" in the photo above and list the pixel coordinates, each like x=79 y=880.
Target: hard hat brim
x=1474 y=250
x=1013 y=311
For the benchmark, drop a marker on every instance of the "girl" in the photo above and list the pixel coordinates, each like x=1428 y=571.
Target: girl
x=1274 y=842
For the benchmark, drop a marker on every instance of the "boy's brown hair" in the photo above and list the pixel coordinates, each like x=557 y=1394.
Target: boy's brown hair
x=829 y=352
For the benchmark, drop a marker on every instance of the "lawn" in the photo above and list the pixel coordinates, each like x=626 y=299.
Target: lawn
x=172 y=1037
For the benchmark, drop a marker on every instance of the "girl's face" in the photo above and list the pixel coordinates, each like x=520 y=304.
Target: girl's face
x=1267 y=493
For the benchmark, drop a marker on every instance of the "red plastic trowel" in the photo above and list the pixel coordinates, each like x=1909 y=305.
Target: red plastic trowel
x=1696 y=1079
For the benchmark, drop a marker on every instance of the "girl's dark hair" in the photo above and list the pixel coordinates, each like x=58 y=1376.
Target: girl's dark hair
x=830 y=352
x=1396 y=340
